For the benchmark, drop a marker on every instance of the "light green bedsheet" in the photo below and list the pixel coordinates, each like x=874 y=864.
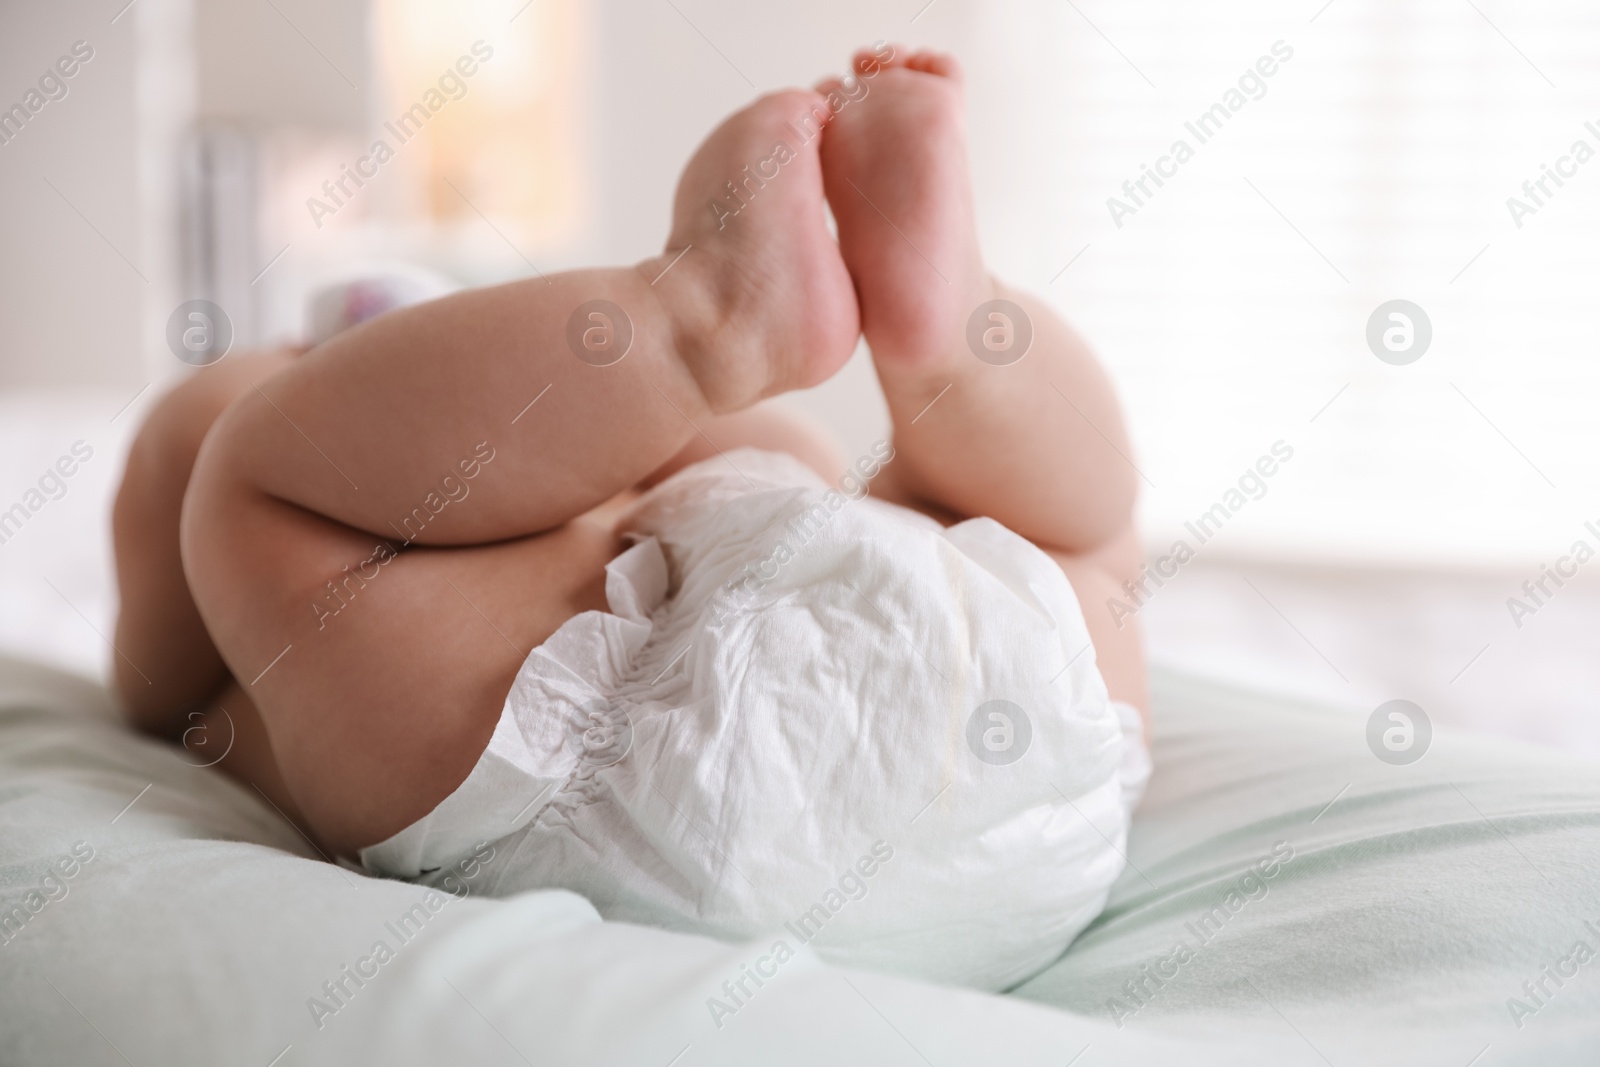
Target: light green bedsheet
x=1284 y=882
x=1380 y=915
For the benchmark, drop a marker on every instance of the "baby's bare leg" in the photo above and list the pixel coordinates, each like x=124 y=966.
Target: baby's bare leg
x=168 y=675
x=166 y=665
x=380 y=673
x=1037 y=442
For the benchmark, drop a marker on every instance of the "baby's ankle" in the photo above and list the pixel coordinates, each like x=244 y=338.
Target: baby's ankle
x=732 y=365
x=974 y=339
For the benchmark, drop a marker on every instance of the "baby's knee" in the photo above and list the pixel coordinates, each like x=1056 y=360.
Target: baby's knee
x=180 y=419
x=162 y=457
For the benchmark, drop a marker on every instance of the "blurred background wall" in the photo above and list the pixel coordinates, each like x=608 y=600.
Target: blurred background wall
x=71 y=243
x=1377 y=161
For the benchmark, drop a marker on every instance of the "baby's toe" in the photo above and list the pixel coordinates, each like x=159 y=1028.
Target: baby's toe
x=869 y=61
x=941 y=63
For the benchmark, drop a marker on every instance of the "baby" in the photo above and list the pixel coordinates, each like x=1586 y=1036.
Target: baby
x=536 y=567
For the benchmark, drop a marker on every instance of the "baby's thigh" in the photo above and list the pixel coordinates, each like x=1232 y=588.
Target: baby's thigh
x=1097 y=579
x=379 y=674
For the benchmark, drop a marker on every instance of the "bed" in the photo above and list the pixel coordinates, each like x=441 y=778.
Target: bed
x=1289 y=897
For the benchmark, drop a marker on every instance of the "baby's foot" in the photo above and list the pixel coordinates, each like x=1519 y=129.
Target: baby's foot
x=775 y=309
x=895 y=166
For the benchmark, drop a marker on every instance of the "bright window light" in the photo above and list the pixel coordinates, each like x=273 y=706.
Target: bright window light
x=1377 y=162
x=504 y=142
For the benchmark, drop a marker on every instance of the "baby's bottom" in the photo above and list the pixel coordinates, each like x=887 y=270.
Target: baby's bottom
x=787 y=679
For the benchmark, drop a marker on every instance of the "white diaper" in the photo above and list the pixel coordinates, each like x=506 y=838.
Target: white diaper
x=811 y=719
